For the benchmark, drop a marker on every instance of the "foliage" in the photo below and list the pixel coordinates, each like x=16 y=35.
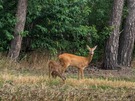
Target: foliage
x=63 y=27
x=99 y=17
x=68 y=25
x=7 y=22
x=58 y=25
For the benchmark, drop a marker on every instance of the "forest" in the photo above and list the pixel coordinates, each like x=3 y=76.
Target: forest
x=91 y=39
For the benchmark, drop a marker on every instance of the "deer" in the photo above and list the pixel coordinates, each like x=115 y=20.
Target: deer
x=80 y=62
x=55 y=70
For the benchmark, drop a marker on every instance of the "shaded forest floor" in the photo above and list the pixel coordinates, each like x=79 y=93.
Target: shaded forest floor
x=124 y=73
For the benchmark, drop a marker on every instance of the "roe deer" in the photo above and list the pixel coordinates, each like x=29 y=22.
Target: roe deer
x=55 y=70
x=79 y=62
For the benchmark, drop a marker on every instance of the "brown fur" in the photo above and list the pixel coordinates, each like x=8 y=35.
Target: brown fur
x=55 y=70
x=79 y=62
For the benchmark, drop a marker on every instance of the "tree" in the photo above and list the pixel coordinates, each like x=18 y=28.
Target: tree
x=57 y=25
x=19 y=28
x=128 y=36
x=111 y=49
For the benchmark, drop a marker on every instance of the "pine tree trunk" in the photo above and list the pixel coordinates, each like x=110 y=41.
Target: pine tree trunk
x=19 y=28
x=111 y=49
x=128 y=37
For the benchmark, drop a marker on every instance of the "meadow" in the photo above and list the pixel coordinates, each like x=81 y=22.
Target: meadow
x=28 y=80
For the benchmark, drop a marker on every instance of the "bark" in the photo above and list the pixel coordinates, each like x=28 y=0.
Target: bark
x=111 y=49
x=19 y=28
x=127 y=37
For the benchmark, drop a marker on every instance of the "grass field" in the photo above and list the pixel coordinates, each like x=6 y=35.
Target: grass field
x=30 y=84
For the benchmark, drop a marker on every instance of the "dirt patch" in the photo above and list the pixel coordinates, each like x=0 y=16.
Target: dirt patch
x=92 y=71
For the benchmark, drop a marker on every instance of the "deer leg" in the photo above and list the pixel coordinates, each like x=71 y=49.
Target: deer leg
x=49 y=72
x=82 y=74
x=79 y=73
x=54 y=74
x=63 y=70
x=64 y=67
x=64 y=77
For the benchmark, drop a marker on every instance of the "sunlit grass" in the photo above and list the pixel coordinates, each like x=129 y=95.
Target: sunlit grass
x=22 y=79
x=36 y=87
x=86 y=83
x=99 y=82
x=19 y=82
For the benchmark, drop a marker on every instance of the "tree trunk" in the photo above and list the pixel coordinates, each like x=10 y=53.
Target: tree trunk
x=111 y=49
x=127 y=37
x=19 y=28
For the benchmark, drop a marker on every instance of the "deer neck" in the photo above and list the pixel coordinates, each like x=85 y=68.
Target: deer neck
x=89 y=58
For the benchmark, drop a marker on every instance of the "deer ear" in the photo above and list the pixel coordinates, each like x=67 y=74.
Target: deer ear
x=88 y=47
x=94 y=47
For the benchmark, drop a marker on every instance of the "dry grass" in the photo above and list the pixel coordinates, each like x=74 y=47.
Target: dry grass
x=85 y=83
x=22 y=79
x=100 y=82
x=19 y=82
x=40 y=88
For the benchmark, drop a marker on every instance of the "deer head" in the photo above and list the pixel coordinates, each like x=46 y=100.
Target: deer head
x=91 y=50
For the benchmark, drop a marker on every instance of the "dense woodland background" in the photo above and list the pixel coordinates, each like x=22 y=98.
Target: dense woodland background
x=59 y=26
x=35 y=31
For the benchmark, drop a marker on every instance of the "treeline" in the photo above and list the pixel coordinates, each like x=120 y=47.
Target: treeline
x=69 y=25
